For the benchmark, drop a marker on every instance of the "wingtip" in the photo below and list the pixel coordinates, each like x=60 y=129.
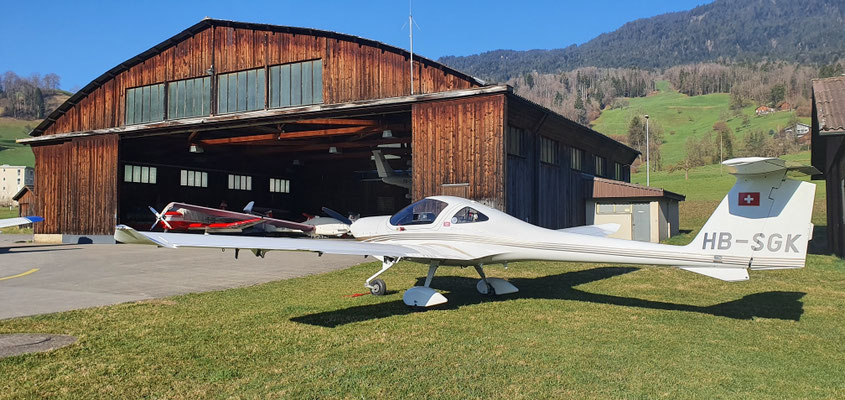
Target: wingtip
x=34 y=218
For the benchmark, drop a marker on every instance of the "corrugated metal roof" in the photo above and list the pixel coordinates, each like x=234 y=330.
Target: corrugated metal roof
x=830 y=103
x=611 y=189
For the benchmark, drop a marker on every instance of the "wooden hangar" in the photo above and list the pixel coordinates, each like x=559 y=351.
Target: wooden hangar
x=232 y=112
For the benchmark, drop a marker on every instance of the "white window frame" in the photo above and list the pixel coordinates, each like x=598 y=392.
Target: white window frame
x=139 y=174
x=240 y=182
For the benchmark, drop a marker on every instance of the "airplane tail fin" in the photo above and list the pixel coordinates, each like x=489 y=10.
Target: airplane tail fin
x=249 y=206
x=762 y=223
x=382 y=166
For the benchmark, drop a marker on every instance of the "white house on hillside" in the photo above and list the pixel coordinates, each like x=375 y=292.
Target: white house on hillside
x=12 y=179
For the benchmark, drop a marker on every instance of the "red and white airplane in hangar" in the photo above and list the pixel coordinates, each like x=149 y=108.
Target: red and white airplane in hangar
x=190 y=217
x=762 y=223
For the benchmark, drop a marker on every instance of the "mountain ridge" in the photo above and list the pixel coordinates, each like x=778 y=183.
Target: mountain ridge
x=724 y=30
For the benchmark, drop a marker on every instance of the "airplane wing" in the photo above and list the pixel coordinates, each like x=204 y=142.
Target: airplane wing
x=239 y=216
x=125 y=234
x=5 y=223
x=602 y=230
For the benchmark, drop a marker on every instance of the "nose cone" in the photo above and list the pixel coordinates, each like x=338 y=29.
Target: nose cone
x=369 y=226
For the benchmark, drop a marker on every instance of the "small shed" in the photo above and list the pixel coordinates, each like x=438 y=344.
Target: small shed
x=647 y=214
x=26 y=201
x=828 y=147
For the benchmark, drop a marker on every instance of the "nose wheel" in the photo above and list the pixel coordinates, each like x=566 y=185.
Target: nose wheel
x=378 y=287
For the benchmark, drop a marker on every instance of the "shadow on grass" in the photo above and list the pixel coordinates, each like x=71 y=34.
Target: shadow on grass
x=461 y=292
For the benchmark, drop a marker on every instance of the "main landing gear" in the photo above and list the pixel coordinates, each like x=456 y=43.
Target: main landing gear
x=425 y=296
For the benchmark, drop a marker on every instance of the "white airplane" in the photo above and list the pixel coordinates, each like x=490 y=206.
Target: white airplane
x=387 y=174
x=5 y=223
x=762 y=223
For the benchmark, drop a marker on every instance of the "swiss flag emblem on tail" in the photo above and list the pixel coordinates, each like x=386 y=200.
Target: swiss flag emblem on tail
x=749 y=198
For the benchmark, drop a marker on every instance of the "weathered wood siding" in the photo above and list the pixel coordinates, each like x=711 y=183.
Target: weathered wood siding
x=460 y=142
x=553 y=195
x=76 y=186
x=351 y=71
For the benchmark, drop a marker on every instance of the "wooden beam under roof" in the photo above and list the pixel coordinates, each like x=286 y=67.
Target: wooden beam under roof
x=317 y=133
x=339 y=145
x=336 y=121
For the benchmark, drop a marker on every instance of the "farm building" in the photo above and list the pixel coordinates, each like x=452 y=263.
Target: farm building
x=828 y=153
x=288 y=117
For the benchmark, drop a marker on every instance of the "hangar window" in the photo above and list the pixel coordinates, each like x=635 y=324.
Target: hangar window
x=139 y=174
x=240 y=182
x=296 y=84
x=548 y=150
x=240 y=91
x=601 y=166
x=613 y=208
x=617 y=171
x=467 y=215
x=279 y=185
x=145 y=104
x=189 y=98
x=193 y=178
x=515 y=141
x=576 y=157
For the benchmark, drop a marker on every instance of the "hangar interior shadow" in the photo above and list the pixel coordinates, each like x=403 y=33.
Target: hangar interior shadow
x=461 y=292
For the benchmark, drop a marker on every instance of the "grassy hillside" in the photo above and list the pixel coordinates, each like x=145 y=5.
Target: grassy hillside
x=10 y=152
x=687 y=117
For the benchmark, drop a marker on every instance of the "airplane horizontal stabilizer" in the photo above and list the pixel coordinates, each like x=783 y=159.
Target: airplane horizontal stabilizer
x=725 y=274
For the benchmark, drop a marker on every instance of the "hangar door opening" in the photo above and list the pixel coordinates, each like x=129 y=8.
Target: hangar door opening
x=293 y=168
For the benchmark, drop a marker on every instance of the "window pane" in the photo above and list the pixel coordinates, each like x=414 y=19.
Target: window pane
x=191 y=178
x=138 y=112
x=242 y=91
x=274 y=86
x=287 y=186
x=130 y=107
x=145 y=174
x=259 y=90
x=222 y=93
x=206 y=96
x=285 y=86
x=233 y=93
x=272 y=185
x=231 y=181
x=249 y=183
x=318 y=82
x=127 y=173
x=296 y=84
x=172 y=96
x=136 y=174
x=184 y=178
x=145 y=107
x=153 y=172
x=306 y=83
x=204 y=179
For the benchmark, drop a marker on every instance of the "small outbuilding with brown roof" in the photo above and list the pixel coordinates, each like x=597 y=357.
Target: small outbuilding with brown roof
x=828 y=149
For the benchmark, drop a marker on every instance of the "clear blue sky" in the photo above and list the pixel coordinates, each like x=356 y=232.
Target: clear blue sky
x=79 y=40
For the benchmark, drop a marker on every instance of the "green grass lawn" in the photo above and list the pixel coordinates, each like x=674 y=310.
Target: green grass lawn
x=574 y=331
x=13 y=153
x=687 y=117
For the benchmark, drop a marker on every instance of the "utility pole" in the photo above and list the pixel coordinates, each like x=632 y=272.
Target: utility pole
x=647 y=164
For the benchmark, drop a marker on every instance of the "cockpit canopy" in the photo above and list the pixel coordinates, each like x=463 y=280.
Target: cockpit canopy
x=422 y=212
x=427 y=210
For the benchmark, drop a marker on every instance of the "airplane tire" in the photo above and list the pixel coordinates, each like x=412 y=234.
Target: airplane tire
x=379 y=288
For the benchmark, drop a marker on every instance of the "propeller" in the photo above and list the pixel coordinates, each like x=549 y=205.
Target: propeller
x=159 y=218
x=336 y=215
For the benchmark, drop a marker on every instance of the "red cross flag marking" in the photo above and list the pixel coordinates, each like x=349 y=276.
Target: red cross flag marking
x=749 y=198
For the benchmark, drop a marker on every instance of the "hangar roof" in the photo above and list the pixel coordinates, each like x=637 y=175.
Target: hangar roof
x=610 y=189
x=830 y=104
x=209 y=22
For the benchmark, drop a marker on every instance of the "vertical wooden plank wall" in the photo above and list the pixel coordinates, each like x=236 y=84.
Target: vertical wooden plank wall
x=351 y=71
x=76 y=186
x=460 y=141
